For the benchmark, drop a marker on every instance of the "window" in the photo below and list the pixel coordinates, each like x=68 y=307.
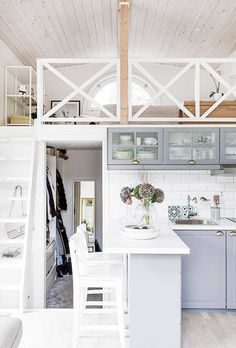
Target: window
x=105 y=92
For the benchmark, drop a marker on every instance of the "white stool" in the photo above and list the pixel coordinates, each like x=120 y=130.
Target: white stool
x=105 y=258
x=100 y=257
x=108 y=277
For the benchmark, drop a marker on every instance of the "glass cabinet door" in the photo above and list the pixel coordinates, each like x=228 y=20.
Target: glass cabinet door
x=177 y=146
x=228 y=146
x=187 y=146
x=148 y=146
x=205 y=146
x=121 y=147
x=131 y=146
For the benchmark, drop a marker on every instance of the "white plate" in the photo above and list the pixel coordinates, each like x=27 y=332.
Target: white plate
x=150 y=141
x=123 y=155
x=139 y=234
x=146 y=156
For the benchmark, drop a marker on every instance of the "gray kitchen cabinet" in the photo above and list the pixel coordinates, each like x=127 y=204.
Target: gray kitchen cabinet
x=135 y=147
x=204 y=269
x=231 y=269
x=191 y=146
x=228 y=145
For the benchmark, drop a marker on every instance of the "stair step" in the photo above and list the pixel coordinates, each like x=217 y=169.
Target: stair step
x=3 y=200
x=9 y=287
x=12 y=220
x=16 y=199
x=14 y=179
x=14 y=241
x=14 y=159
x=10 y=263
x=15 y=139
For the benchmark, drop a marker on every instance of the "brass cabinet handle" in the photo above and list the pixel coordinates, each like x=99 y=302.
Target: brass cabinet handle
x=191 y=162
x=135 y=161
x=233 y=233
x=219 y=233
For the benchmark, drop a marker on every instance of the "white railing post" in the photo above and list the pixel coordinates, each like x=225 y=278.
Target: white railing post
x=40 y=90
x=197 y=90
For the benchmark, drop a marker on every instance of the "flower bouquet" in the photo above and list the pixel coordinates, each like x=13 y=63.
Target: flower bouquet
x=148 y=195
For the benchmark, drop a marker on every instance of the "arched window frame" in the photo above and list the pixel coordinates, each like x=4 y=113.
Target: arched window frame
x=140 y=80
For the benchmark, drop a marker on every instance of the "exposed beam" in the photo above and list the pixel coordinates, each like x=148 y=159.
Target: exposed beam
x=124 y=12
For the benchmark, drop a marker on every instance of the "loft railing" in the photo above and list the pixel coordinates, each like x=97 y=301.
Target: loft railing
x=77 y=90
x=210 y=67
x=196 y=74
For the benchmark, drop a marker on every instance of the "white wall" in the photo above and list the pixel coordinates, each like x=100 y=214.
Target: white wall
x=7 y=58
x=176 y=186
x=83 y=165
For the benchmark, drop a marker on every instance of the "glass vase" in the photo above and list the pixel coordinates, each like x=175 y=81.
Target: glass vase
x=127 y=218
x=145 y=213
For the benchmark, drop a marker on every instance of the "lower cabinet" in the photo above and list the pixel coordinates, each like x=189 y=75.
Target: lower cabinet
x=231 y=269
x=204 y=269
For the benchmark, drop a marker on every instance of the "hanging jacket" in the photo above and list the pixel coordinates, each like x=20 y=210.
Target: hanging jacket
x=50 y=204
x=62 y=233
x=62 y=203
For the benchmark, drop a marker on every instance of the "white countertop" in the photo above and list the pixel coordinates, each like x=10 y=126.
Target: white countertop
x=167 y=242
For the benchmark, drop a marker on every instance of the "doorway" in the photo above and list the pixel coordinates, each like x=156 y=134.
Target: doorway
x=81 y=173
x=84 y=209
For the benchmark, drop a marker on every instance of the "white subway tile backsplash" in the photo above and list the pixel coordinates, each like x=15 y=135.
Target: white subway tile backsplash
x=215 y=187
x=207 y=178
x=183 y=187
x=229 y=195
x=230 y=187
x=189 y=178
x=230 y=204
x=224 y=179
x=173 y=178
x=176 y=186
x=198 y=187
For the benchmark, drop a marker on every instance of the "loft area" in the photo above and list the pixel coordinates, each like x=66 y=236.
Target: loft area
x=86 y=91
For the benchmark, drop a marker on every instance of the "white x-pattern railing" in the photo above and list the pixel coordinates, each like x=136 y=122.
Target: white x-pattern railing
x=197 y=65
x=81 y=90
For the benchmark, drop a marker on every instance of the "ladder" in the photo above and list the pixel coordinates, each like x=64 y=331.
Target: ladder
x=17 y=167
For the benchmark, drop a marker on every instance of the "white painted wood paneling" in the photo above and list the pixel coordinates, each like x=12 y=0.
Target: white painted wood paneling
x=89 y=28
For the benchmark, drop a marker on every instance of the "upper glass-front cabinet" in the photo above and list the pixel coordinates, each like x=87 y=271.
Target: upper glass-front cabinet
x=191 y=146
x=142 y=146
x=228 y=145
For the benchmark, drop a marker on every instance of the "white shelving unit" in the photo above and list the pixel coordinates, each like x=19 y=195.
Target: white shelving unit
x=19 y=106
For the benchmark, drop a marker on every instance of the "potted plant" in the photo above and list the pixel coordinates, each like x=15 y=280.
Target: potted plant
x=216 y=94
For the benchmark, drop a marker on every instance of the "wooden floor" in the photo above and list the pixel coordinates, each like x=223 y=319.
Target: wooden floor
x=53 y=328
x=209 y=329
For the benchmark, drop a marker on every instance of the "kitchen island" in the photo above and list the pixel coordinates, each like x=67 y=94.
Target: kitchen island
x=154 y=285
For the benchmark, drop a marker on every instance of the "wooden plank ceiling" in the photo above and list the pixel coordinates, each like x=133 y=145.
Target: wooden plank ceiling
x=88 y=28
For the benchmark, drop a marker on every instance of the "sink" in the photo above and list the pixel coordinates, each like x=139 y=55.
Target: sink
x=195 y=222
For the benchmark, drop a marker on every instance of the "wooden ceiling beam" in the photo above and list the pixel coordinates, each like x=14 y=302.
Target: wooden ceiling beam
x=123 y=40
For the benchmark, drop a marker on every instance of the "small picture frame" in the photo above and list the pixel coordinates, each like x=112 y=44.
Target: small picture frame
x=70 y=110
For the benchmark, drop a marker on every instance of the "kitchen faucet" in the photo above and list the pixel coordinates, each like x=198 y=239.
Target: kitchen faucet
x=191 y=213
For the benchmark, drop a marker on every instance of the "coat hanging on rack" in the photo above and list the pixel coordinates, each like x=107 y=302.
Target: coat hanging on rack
x=50 y=204
x=61 y=201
